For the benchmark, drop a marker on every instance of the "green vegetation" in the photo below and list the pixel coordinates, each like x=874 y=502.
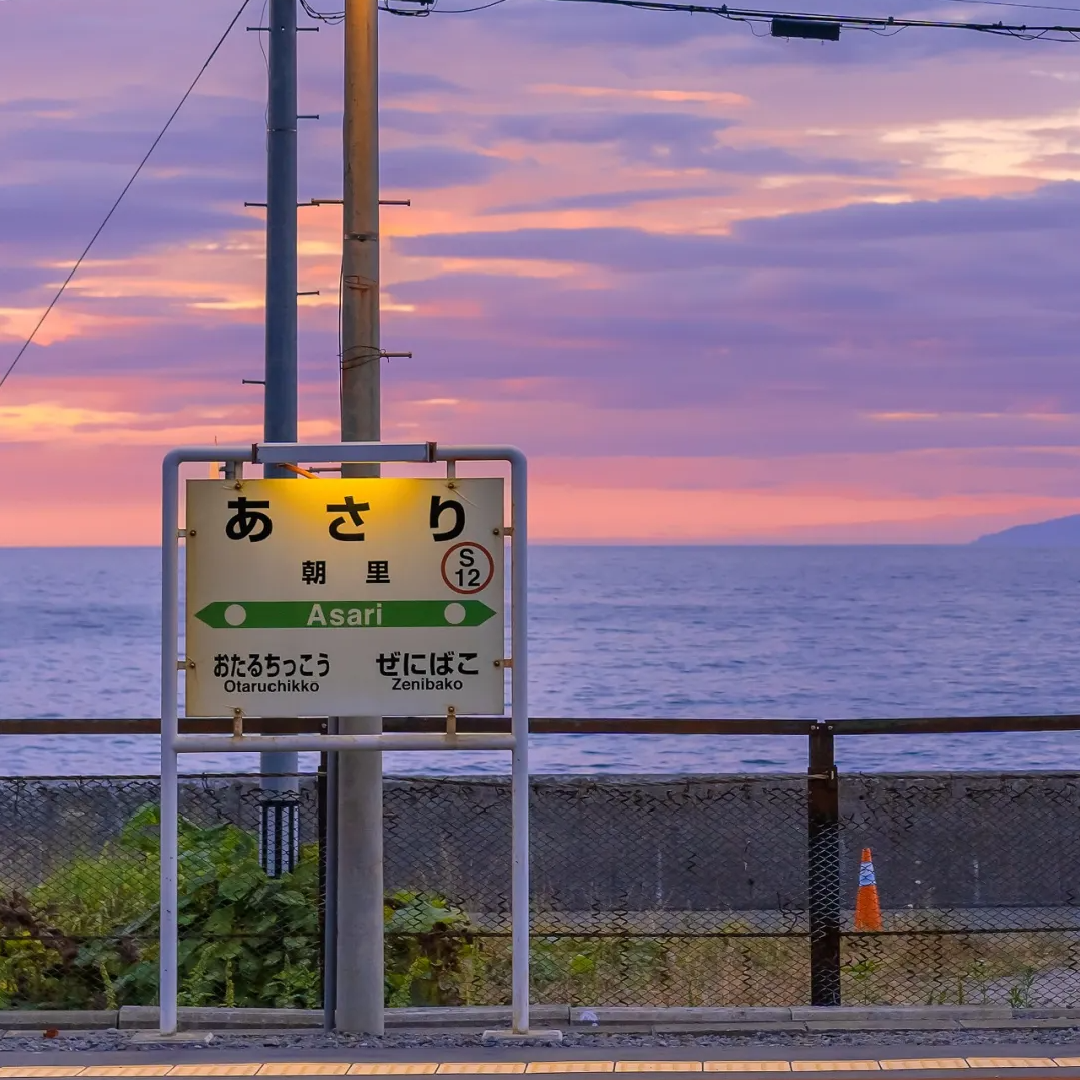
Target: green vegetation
x=86 y=937
x=956 y=968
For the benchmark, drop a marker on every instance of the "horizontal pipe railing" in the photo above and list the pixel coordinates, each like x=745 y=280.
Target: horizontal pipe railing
x=825 y=888
x=551 y=725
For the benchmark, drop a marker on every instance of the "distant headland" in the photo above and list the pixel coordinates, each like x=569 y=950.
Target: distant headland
x=1059 y=532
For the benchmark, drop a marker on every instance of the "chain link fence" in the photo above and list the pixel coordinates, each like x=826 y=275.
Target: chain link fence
x=644 y=891
x=737 y=891
x=79 y=893
x=979 y=885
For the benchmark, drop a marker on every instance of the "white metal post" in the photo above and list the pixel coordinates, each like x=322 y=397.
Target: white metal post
x=519 y=727
x=519 y=715
x=167 y=829
x=173 y=743
x=169 y=857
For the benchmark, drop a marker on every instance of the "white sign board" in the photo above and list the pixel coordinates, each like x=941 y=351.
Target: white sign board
x=369 y=597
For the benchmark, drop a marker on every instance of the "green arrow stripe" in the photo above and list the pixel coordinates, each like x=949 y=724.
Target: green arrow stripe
x=344 y=614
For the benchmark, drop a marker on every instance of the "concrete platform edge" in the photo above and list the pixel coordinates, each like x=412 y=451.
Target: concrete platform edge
x=609 y=1019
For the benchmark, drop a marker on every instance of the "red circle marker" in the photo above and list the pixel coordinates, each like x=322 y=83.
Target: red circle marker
x=475 y=588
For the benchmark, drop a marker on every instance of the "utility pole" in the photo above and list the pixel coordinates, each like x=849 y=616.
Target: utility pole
x=359 y=998
x=279 y=813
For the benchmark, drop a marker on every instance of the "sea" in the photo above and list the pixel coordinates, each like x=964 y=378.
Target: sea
x=696 y=632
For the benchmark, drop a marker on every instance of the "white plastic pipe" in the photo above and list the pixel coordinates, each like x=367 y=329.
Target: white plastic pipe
x=214 y=744
x=519 y=726
x=519 y=713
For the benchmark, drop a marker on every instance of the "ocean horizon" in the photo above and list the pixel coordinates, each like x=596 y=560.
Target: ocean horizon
x=777 y=631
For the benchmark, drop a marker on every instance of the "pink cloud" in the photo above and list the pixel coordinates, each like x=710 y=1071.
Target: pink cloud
x=665 y=257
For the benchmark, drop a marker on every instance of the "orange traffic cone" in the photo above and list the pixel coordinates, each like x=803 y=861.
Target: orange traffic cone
x=867 y=905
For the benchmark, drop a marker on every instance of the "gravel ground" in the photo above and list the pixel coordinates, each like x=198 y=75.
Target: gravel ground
x=323 y=1041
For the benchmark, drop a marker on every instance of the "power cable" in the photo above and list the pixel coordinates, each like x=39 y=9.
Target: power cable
x=112 y=210
x=1013 y=4
x=854 y=22
x=331 y=17
x=465 y=11
x=427 y=7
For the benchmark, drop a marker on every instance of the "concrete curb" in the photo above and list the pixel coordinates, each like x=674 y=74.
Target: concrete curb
x=670 y=1021
x=61 y=1019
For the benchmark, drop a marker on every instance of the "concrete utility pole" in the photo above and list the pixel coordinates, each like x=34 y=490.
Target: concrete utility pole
x=279 y=409
x=359 y=774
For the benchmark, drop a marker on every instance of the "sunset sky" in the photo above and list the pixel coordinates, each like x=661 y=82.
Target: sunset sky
x=720 y=287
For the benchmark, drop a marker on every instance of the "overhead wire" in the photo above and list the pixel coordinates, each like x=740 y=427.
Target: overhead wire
x=331 y=17
x=1013 y=4
x=853 y=22
x=119 y=198
x=423 y=8
x=889 y=24
x=465 y=11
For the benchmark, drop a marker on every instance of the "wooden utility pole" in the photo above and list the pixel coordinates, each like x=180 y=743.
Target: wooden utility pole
x=359 y=869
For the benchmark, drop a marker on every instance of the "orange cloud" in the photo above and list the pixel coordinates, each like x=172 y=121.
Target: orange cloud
x=711 y=97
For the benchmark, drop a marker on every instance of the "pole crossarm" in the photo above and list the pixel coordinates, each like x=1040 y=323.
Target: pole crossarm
x=350 y=452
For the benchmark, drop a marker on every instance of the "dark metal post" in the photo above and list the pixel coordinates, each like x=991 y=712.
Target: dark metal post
x=279 y=401
x=328 y=838
x=823 y=864
x=279 y=410
x=320 y=805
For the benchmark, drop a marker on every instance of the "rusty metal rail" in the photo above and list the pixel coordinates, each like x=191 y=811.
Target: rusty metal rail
x=549 y=725
x=1006 y=948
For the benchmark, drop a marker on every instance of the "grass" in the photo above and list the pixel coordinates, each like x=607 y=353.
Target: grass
x=86 y=937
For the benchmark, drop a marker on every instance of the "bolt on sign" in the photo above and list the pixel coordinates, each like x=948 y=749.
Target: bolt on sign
x=335 y=597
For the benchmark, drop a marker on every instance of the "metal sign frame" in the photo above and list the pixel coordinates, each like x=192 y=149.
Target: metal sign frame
x=174 y=744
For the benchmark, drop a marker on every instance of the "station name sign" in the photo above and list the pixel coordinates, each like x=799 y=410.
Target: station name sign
x=328 y=597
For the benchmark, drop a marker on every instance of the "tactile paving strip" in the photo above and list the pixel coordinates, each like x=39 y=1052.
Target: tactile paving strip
x=1010 y=1063
x=928 y=1064
x=237 y=1068
x=570 y=1067
x=304 y=1068
x=486 y=1068
x=396 y=1068
x=658 y=1066
x=840 y=1065
x=747 y=1066
x=460 y=1068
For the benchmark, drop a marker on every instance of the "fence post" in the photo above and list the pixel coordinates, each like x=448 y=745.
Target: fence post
x=320 y=791
x=823 y=867
x=328 y=840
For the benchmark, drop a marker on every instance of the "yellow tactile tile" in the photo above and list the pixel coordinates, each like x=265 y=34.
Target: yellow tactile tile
x=392 y=1068
x=840 y=1065
x=747 y=1066
x=126 y=1070
x=924 y=1063
x=1010 y=1063
x=571 y=1067
x=235 y=1068
x=41 y=1070
x=457 y=1068
x=304 y=1068
x=658 y=1066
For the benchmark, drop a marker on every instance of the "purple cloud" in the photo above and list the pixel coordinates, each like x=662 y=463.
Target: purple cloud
x=609 y=200
x=421 y=167
x=406 y=83
x=806 y=315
